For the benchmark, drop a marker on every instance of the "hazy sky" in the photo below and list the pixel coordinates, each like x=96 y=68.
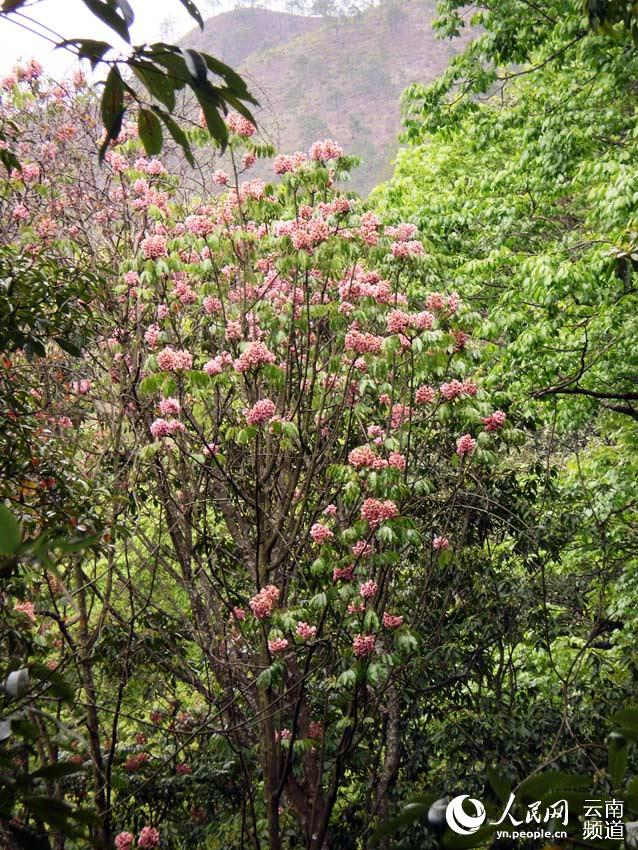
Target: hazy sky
x=71 y=19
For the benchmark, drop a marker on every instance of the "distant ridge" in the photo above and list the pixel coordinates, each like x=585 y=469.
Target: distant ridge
x=318 y=77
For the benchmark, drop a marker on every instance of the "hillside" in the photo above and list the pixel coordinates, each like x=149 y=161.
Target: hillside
x=318 y=77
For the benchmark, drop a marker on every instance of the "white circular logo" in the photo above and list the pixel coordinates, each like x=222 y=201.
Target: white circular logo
x=458 y=819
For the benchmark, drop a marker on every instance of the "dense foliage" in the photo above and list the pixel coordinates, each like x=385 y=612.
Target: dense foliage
x=312 y=506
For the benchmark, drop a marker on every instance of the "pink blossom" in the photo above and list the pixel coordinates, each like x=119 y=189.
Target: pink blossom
x=343 y=573
x=384 y=398
x=362 y=343
x=248 y=160
x=361 y=549
x=424 y=395
x=304 y=631
x=220 y=178
x=330 y=511
x=375 y=511
x=183 y=769
x=172 y=360
x=465 y=445
x=325 y=150
x=263 y=602
x=240 y=125
x=363 y=645
x=170 y=407
x=356 y=607
x=124 y=841
x=148 y=838
x=214 y=366
x=402 y=232
x=320 y=533
x=440 y=543
x=495 y=421
x=391 y=621
x=25 y=608
x=254 y=355
x=283 y=164
x=407 y=249
x=212 y=305
x=20 y=213
x=396 y=460
x=154 y=247
x=81 y=387
x=151 y=336
x=239 y=614
x=277 y=644
x=160 y=428
x=397 y=321
x=400 y=414
x=261 y=412
x=368 y=589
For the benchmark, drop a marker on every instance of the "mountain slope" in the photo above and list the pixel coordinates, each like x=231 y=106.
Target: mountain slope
x=343 y=79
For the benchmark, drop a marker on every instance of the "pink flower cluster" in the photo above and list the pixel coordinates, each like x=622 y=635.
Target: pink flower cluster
x=396 y=460
x=465 y=445
x=440 y=543
x=398 y=321
x=363 y=645
x=253 y=356
x=495 y=421
x=403 y=232
x=424 y=395
x=199 y=225
x=220 y=178
x=163 y=428
x=154 y=246
x=124 y=841
x=362 y=343
x=148 y=838
x=277 y=644
x=368 y=589
x=361 y=549
x=212 y=305
x=240 y=125
x=457 y=389
x=284 y=164
x=170 y=407
x=172 y=360
x=322 y=151
x=343 y=573
x=391 y=621
x=263 y=602
x=363 y=456
x=304 y=631
x=320 y=533
x=402 y=250
x=25 y=608
x=261 y=412
x=375 y=511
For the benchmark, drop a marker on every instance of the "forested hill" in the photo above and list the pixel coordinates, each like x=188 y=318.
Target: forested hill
x=318 y=77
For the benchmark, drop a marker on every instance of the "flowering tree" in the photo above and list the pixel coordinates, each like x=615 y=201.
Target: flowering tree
x=278 y=431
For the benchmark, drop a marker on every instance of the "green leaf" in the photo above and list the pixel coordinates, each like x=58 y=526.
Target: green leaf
x=211 y=104
x=150 y=131
x=10 y=536
x=112 y=107
x=109 y=16
x=58 y=685
x=88 y=48
x=617 y=758
x=500 y=785
x=193 y=11
x=177 y=134
x=56 y=771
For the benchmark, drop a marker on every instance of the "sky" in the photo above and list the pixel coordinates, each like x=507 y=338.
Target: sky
x=71 y=19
